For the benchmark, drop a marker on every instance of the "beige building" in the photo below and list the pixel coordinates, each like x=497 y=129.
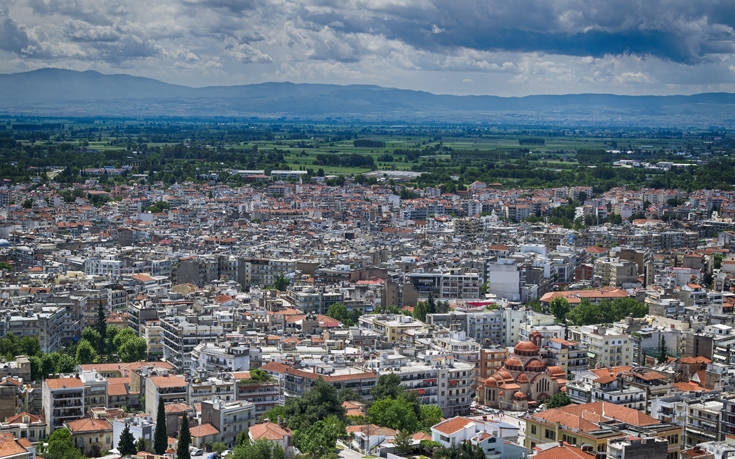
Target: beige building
x=605 y=347
x=167 y=389
x=91 y=436
x=615 y=272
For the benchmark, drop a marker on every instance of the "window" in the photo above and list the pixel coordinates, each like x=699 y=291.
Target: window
x=550 y=434
x=533 y=429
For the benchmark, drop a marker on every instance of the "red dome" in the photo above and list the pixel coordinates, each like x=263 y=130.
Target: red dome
x=526 y=346
x=535 y=365
x=522 y=378
x=519 y=395
x=513 y=363
x=504 y=374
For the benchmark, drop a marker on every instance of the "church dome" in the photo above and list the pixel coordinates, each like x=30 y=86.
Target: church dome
x=535 y=365
x=513 y=363
x=525 y=347
x=519 y=395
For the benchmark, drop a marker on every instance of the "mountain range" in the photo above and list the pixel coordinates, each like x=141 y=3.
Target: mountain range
x=59 y=92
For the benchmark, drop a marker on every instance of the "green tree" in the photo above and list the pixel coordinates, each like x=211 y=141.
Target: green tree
x=536 y=306
x=218 y=447
x=320 y=402
x=388 y=386
x=48 y=365
x=278 y=411
x=101 y=324
x=420 y=311
x=430 y=415
x=347 y=393
x=112 y=332
x=403 y=442
x=95 y=339
x=281 y=283
x=61 y=446
x=558 y=400
x=123 y=336
x=27 y=204
x=397 y=414
x=133 y=350
x=36 y=368
x=261 y=449
x=319 y=438
x=338 y=311
x=160 y=437
x=85 y=352
x=717 y=261
x=126 y=445
x=182 y=449
x=30 y=346
x=465 y=450
x=559 y=307
x=63 y=363
x=141 y=445
x=662 y=355
x=258 y=375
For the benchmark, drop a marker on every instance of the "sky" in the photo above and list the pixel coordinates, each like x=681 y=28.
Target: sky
x=499 y=47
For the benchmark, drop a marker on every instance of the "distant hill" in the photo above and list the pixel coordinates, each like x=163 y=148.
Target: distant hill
x=57 y=92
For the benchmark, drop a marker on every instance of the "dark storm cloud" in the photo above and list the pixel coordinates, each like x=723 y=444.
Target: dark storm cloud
x=676 y=30
x=12 y=37
x=439 y=45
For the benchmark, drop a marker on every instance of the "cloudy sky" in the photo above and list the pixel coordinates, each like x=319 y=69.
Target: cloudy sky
x=502 y=47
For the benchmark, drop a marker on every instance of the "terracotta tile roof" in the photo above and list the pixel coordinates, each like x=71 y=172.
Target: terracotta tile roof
x=64 y=383
x=168 y=381
x=563 y=452
x=371 y=430
x=88 y=425
x=176 y=408
x=692 y=360
x=9 y=446
x=116 y=390
x=204 y=430
x=452 y=425
x=586 y=417
x=268 y=431
x=689 y=387
x=18 y=418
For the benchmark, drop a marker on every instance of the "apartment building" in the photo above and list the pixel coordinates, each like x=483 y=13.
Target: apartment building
x=164 y=389
x=43 y=321
x=228 y=417
x=263 y=271
x=228 y=357
x=180 y=337
x=212 y=387
x=606 y=347
x=62 y=400
x=264 y=395
x=296 y=382
x=615 y=272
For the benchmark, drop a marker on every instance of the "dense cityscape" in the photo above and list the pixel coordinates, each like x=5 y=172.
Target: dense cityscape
x=367 y=229
x=296 y=314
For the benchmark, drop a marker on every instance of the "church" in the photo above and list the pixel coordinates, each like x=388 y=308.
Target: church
x=523 y=381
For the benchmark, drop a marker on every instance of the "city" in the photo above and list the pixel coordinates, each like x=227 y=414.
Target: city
x=415 y=324
x=400 y=229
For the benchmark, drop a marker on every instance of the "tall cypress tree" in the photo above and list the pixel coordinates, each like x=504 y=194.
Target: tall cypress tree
x=127 y=442
x=101 y=327
x=160 y=438
x=182 y=451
